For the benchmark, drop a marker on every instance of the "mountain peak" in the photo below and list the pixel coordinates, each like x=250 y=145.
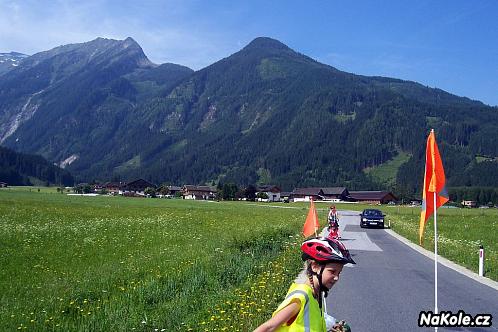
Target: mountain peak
x=130 y=42
x=266 y=43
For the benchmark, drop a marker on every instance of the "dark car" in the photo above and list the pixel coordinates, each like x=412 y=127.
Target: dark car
x=372 y=217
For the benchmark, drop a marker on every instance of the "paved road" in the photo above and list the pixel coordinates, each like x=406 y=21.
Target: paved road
x=392 y=283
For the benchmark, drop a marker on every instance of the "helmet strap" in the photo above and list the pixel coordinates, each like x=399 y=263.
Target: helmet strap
x=322 y=288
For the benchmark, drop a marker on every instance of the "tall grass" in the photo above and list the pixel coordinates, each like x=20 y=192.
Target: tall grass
x=112 y=263
x=460 y=233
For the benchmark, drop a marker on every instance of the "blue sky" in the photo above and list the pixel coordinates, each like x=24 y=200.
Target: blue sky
x=452 y=45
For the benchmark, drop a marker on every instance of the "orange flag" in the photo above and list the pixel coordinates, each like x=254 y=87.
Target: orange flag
x=311 y=224
x=434 y=183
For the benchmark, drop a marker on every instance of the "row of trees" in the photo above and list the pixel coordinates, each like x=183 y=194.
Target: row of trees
x=230 y=191
x=482 y=195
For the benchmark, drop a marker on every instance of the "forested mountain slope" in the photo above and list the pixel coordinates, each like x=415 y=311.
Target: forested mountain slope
x=263 y=114
x=18 y=169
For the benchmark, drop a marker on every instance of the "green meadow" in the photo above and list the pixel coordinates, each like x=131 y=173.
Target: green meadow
x=113 y=263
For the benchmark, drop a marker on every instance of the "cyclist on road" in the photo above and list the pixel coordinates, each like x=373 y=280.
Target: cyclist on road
x=333 y=220
x=332 y=216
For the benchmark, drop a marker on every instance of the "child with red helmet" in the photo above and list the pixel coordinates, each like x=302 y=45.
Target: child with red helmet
x=302 y=308
x=333 y=220
x=332 y=213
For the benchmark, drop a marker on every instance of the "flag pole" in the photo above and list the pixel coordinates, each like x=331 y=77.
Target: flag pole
x=435 y=259
x=314 y=226
x=433 y=183
x=316 y=235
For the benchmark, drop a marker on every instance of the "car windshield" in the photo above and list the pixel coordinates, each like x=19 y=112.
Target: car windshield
x=372 y=213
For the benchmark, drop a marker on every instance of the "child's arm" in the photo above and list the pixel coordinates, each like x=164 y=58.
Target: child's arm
x=285 y=315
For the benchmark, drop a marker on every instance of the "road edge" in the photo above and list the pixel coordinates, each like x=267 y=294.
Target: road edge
x=444 y=261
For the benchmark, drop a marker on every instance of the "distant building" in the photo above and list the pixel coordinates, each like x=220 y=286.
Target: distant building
x=98 y=187
x=469 y=204
x=336 y=194
x=173 y=190
x=198 y=192
x=285 y=196
x=273 y=192
x=372 y=197
x=3 y=185
x=114 y=188
x=137 y=187
x=306 y=194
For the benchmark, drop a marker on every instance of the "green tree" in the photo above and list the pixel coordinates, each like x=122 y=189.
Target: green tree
x=82 y=188
x=228 y=191
x=149 y=191
x=163 y=189
x=250 y=192
x=262 y=196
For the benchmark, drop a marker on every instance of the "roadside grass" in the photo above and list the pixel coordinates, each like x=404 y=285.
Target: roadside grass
x=460 y=232
x=112 y=263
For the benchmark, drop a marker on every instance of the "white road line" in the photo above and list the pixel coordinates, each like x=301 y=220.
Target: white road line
x=354 y=240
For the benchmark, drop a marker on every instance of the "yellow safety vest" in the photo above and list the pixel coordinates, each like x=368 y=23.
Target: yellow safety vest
x=310 y=318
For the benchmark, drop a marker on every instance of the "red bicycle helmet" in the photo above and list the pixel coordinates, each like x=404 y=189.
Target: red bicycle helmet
x=325 y=250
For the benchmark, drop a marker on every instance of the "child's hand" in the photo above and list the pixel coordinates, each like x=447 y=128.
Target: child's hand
x=342 y=326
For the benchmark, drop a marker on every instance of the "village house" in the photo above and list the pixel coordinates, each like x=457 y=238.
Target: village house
x=114 y=188
x=306 y=194
x=285 y=196
x=273 y=192
x=336 y=194
x=98 y=187
x=372 y=197
x=198 y=192
x=173 y=190
x=469 y=204
x=137 y=187
x=415 y=202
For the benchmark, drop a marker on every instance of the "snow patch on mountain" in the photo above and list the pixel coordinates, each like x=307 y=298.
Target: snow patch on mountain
x=68 y=161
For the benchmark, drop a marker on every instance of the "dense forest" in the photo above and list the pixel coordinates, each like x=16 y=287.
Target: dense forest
x=482 y=195
x=19 y=169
